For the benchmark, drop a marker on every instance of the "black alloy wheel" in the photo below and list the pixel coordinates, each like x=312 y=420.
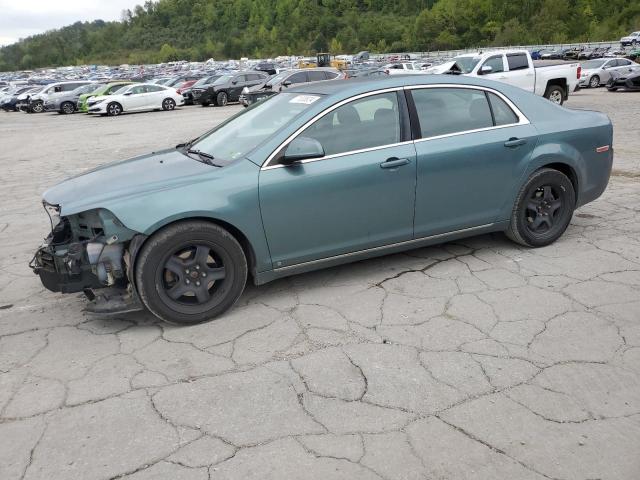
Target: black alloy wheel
x=190 y=272
x=543 y=209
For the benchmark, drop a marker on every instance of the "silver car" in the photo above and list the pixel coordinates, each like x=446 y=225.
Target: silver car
x=597 y=72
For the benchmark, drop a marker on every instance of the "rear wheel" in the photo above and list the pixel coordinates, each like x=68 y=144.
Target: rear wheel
x=67 y=108
x=555 y=94
x=543 y=209
x=190 y=272
x=222 y=99
x=114 y=109
x=594 y=82
x=168 y=104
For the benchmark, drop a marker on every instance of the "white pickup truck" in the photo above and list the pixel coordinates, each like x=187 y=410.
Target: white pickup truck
x=516 y=67
x=403 y=68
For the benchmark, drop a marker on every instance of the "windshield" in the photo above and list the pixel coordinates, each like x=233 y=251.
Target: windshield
x=274 y=80
x=205 y=80
x=122 y=89
x=222 y=79
x=245 y=131
x=592 y=64
x=466 y=64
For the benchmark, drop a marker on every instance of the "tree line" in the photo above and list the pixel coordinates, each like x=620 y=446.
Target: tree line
x=167 y=30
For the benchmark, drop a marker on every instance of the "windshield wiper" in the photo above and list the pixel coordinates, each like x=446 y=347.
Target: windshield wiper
x=204 y=157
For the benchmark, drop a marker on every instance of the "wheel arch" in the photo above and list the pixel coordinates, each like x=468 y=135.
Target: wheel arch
x=238 y=234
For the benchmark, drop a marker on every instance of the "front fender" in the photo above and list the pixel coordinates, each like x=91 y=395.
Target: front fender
x=231 y=198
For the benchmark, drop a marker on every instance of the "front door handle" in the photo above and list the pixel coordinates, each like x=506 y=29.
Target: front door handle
x=394 y=162
x=515 y=142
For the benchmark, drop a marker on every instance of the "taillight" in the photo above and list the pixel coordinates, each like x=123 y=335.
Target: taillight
x=579 y=71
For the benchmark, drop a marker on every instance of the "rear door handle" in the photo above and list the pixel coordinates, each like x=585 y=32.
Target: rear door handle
x=515 y=142
x=394 y=162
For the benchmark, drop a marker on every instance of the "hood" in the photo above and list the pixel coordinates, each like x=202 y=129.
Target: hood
x=120 y=180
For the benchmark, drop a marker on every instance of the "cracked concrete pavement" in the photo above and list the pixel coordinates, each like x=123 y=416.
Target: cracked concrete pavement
x=471 y=360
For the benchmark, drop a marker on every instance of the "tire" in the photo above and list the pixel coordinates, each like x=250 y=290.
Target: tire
x=168 y=104
x=543 y=209
x=37 y=107
x=594 y=82
x=67 y=108
x=222 y=99
x=172 y=264
x=612 y=89
x=114 y=109
x=205 y=104
x=555 y=94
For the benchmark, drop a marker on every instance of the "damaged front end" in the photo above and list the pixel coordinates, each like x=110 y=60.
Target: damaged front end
x=88 y=251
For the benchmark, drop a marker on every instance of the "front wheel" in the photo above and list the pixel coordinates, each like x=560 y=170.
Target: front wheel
x=543 y=209
x=612 y=89
x=168 y=104
x=555 y=94
x=190 y=272
x=114 y=109
x=594 y=82
x=37 y=107
x=222 y=99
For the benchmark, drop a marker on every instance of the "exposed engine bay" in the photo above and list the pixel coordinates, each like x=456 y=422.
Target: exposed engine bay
x=88 y=251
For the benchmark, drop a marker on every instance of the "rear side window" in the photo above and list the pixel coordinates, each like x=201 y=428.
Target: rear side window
x=154 y=88
x=517 y=61
x=331 y=75
x=502 y=113
x=443 y=111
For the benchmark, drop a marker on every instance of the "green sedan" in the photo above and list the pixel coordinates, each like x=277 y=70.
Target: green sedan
x=323 y=174
x=107 y=89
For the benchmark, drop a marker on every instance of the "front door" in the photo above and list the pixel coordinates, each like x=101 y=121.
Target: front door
x=358 y=196
x=470 y=157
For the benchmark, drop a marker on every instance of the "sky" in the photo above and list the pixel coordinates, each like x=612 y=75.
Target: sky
x=21 y=18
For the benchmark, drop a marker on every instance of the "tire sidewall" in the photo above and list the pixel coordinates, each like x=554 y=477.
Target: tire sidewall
x=550 y=92
x=150 y=266
x=170 y=104
x=540 y=178
x=64 y=110
x=109 y=109
x=591 y=81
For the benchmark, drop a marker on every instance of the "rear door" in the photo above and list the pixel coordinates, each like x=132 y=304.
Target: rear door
x=234 y=89
x=472 y=149
x=519 y=72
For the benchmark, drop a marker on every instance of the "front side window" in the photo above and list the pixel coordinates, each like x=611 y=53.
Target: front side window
x=369 y=122
x=466 y=64
x=137 y=90
x=517 y=61
x=443 y=111
x=495 y=63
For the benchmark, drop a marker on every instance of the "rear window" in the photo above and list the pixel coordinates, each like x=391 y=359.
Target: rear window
x=517 y=61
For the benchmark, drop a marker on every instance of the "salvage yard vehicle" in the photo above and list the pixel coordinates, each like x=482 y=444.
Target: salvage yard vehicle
x=632 y=39
x=108 y=89
x=287 y=79
x=36 y=102
x=67 y=102
x=195 y=90
x=597 y=72
x=626 y=79
x=228 y=88
x=319 y=175
x=403 y=68
x=553 y=82
x=137 y=98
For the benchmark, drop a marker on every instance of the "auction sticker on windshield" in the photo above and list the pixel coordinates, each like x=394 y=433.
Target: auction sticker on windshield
x=306 y=99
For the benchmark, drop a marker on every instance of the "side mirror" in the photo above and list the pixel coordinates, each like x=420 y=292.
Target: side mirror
x=485 y=69
x=233 y=82
x=126 y=94
x=302 y=148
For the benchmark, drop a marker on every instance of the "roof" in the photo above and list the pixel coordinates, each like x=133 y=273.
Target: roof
x=347 y=88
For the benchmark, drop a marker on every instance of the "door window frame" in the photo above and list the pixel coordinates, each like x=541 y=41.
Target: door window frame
x=415 y=121
x=405 y=129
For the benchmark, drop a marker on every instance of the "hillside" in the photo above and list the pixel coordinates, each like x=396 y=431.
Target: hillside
x=199 y=29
